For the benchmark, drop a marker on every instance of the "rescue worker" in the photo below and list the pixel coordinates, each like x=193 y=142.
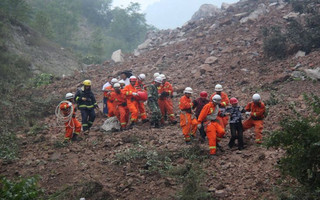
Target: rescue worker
x=155 y=75
x=256 y=110
x=188 y=125
x=122 y=84
x=223 y=119
x=130 y=91
x=107 y=92
x=120 y=104
x=208 y=118
x=235 y=123
x=105 y=107
x=165 y=101
x=140 y=86
x=86 y=103
x=153 y=102
x=73 y=126
x=198 y=104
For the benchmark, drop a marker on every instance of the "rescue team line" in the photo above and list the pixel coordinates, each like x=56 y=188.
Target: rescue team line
x=127 y=97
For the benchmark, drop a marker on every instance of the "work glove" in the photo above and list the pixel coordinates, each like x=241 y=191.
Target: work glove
x=248 y=113
x=69 y=104
x=84 y=99
x=96 y=106
x=135 y=94
x=124 y=104
x=199 y=126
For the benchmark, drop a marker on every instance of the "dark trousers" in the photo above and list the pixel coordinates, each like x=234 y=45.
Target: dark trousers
x=236 y=133
x=88 y=117
x=202 y=132
x=105 y=107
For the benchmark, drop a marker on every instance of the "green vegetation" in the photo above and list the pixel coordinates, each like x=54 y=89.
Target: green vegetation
x=299 y=137
x=22 y=189
x=274 y=43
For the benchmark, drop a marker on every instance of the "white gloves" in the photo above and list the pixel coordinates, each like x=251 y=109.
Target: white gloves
x=69 y=104
x=134 y=94
x=199 y=126
x=248 y=113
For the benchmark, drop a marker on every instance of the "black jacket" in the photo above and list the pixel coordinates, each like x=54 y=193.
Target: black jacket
x=90 y=103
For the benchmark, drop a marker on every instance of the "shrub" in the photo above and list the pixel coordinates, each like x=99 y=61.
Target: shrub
x=22 y=189
x=300 y=138
x=43 y=79
x=8 y=146
x=274 y=43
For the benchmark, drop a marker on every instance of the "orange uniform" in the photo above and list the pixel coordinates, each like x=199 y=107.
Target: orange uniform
x=140 y=86
x=73 y=125
x=121 y=110
x=188 y=125
x=165 y=101
x=131 y=102
x=111 y=109
x=256 y=119
x=223 y=121
x=213 y=129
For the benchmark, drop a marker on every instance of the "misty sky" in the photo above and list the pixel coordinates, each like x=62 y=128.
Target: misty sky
x=166 y=14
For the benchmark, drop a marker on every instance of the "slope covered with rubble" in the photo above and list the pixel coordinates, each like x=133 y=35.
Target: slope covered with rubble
x=145 y=163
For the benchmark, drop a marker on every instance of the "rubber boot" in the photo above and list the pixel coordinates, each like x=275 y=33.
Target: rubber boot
x=220 y=147
x=145 y=121
x=131 y=125
x=157 y=125
x=74 y=137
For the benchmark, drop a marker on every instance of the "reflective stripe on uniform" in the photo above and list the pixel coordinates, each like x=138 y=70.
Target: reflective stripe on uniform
x=124 y=123
x=85 y=106
x=257 y=140
x=212 y=147
x=84 y=124
x=90 y=122
x=171 y=114
x=77 y=98
x=255 y=114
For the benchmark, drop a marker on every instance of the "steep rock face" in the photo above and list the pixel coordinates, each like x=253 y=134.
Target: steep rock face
x=44 y=56
x=205 y=11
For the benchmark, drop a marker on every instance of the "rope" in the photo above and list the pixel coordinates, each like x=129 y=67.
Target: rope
x=61 y=118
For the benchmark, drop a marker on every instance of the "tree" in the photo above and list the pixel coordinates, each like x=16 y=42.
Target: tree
x=15 y=9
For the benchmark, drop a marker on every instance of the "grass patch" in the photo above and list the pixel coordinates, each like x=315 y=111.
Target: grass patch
x=8 y=146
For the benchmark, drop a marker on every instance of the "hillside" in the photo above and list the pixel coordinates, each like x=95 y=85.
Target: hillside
x=145 y=163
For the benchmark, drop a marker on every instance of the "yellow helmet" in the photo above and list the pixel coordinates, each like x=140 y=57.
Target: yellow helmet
x=87 y=83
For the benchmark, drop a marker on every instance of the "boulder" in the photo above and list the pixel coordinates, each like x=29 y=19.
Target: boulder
x=117 y=56
x=211 y=60
x=111 y=124
x=145 y=44
x=205 y=11
x=291 y=15
x=261 y=10
x=300 y=54
x=314 y=74
x=205 y=68
x=225 y=6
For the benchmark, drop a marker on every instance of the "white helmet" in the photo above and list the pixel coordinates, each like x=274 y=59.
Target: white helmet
x=142 y=76
x=162 y=76
x=218 y=88
x=188 y=90
x=256 y=98
x=216 y=98
x=155 y=75
x=122 y=82
x=69 y=96
x=116 y=85
x=114 y=80
x=158 y=79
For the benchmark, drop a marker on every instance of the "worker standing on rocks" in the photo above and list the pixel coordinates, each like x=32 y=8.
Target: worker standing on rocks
x=235 y=123
x=140 y=86
x=255 y=110
x=208 y=117
x=131 y=92
x=86 y=103
x=223 y=120
x=153 y=102
x=188 y=125
x=107 y=92
x=105 y=107
x=165 y=101
x=198 y=104
x=120 y=104
x=73 y=126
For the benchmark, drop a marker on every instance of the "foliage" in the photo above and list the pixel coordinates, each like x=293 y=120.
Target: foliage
x=300 y=138
x=8 y=146
x=192 y=189
x=43 y=79
x=15 y=9
x=22 y=189
x=274 y=43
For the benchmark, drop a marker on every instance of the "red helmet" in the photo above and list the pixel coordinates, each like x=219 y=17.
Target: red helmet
x=233 y=100
x=203 y=94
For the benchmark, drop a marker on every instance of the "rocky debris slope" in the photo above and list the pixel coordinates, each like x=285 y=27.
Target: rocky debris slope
x=145 y=163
